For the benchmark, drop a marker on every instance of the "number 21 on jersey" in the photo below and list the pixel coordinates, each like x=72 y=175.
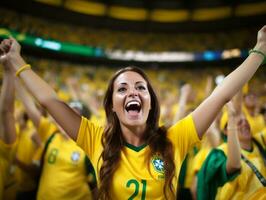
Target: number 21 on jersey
x=133 y=183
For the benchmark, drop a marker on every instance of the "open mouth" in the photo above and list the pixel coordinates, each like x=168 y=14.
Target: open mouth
x=133 y=106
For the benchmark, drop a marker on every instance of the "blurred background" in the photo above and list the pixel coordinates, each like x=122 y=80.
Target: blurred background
x=177 y=41
x=76 y=45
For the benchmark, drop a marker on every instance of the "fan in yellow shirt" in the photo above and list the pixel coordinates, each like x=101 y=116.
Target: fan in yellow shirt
x=64 y=167
x=132 y=176
x=215 y=182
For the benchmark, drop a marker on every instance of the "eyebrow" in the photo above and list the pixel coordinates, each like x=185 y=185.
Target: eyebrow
x=124 y=83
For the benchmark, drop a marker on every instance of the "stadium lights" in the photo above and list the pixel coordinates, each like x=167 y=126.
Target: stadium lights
x=48 y=44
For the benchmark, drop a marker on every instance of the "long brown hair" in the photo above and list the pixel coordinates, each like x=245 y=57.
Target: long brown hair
x=113 y=142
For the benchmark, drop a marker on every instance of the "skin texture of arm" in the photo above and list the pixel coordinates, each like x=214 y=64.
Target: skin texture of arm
x=233 y=162
x=68 y=119
x=211 y=106
x=7 y=119
x=28 y=103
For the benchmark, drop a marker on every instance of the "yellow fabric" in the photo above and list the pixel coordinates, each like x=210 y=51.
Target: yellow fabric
x=46 y=128
x=261 y=137
x=63 y=95
x=6 y=155
x=256 y=123
x=132 y=175
x=200 y=158
x=246 y=183
x=260 y=194
x=64 y=173
x=25 y=151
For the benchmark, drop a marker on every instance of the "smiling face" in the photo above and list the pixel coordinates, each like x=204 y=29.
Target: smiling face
x=131 y=99
x=251 y=100
x=244 y=132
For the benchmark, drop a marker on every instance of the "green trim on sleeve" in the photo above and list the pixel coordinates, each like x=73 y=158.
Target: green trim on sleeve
x=213 y=175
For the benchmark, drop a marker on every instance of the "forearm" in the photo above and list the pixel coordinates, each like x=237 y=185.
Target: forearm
x=7 y=109
x=7 y=94
x=181 y=112
x=28 y=103
x=37 y=87
x=211 y=106
x=234 y=153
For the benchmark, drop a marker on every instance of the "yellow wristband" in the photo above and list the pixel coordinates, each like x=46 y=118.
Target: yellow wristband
x=22 y=68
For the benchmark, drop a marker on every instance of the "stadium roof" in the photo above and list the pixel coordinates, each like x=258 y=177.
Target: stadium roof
x=149 y=15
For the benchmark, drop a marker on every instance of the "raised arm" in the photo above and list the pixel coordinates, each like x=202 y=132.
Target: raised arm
x=234 y=153
x=29 y=104
x=44 y=94
x=185 y=91
x=206 y=112
x=7 y=119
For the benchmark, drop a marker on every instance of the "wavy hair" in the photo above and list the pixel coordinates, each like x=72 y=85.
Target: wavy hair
x=113 y=141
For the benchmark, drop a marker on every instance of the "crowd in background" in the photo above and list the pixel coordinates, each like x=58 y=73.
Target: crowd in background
x=86 y=84
x=127 y=40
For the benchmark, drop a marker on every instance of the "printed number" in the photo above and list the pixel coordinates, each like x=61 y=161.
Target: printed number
x=135 y=184
x=52 y=156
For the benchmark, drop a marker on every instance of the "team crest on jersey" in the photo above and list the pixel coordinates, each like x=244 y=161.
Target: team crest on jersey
x=158 y=164
x=75 y=156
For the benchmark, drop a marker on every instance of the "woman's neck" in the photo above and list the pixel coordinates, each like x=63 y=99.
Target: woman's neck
x=134 y=135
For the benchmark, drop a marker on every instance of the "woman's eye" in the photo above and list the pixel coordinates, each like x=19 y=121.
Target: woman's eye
x=141 y=87
x=122 y=89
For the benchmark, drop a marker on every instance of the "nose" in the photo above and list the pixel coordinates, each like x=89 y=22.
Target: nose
x=133 y=92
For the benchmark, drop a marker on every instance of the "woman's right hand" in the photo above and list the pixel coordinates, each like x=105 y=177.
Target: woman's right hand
x=9 y=49
x=261 y=40
x=10 y=53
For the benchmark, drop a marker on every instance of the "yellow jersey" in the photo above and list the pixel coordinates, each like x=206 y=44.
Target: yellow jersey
x=64 y=172
x=133 y=179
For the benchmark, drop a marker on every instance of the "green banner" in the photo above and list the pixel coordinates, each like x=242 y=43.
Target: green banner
x=52 y=44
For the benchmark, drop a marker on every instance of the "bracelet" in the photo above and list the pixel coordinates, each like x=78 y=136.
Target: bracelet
x=258 y=52
x=22 y=68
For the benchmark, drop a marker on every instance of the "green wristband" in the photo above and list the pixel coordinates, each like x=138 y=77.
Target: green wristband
x=258 y=52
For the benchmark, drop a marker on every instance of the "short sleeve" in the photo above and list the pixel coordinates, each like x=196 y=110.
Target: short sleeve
x=183 y=135
x=89 y=137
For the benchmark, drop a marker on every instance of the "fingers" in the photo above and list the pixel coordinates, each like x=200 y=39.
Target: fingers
x=5 y=45
x=263 y=28
x=2 y=51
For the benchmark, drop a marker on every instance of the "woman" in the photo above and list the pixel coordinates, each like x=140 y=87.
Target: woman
x=215 y=181
x=132 y=156
x=65 y=172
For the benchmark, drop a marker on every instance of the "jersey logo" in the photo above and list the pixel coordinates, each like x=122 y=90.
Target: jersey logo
x=75 y=156
x=158 y=164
